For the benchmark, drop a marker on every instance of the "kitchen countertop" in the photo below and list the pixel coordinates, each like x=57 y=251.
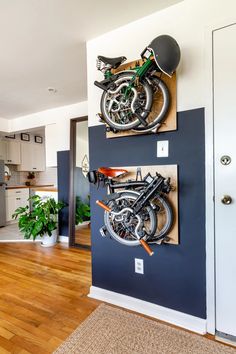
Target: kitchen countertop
x=31 y=187
x=44 y=189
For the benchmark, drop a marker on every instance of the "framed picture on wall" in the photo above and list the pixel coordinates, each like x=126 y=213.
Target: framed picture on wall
x=25 y=137
x=38 y=139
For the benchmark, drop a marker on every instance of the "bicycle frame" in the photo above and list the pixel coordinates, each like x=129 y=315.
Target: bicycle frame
x=140 y=70
x=125 y=185
x=146 y=189
x=149 y=189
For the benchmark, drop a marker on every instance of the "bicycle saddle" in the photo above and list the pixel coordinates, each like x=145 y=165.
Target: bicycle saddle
x=114 y=62
x=111 y=172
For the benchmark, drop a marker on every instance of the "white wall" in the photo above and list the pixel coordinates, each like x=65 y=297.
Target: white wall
x=57 y=127
x=187 y=22
x=191 y=23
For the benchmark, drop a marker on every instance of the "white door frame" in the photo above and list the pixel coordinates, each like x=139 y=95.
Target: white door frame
x=209 y=175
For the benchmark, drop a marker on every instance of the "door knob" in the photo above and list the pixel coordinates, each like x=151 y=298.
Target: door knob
x=226 y=200
x=225 y=160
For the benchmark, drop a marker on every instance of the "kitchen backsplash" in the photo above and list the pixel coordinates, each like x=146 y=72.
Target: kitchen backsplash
x=47 y=177
x=15 y=176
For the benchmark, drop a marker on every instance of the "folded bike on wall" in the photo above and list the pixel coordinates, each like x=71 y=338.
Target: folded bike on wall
x=136 y=211
x=128 y=95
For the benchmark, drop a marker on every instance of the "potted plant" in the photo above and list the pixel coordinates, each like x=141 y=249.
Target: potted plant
x=82 y=211
x=41 y=221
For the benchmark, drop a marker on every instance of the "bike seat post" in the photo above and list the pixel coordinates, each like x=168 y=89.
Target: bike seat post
x=139 y=174
x=111 y=186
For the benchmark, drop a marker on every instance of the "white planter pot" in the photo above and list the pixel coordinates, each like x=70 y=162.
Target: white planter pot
x=84 y=223
x=49 y=241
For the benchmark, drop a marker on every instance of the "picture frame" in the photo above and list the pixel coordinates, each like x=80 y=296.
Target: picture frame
x=11 y=136
x=38 y=139
x=25 y=137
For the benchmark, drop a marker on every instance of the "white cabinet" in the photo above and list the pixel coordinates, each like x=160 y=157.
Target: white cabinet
x=26 y=158
x=3 y=150
x=10 y=152
x=15 y=198
x=38 y=157
x=13 y=153
x=32 y=157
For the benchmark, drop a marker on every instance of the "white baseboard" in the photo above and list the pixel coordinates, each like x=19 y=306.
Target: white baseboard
x=15 y=241
x=177 y=318
x=64 y=239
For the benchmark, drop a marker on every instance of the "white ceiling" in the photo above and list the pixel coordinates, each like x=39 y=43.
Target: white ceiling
x=42 y=44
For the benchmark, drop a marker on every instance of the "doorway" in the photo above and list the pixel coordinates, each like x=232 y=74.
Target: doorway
x=224 y=58
x=79 y=220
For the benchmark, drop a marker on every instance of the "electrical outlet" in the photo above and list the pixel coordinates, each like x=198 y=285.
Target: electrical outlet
x=139 y=266
x=163 y=148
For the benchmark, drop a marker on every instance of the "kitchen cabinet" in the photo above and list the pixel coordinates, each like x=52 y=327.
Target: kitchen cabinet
x=15 y=198
x=13 y=153
x=39 y=157
x=32 y=157
x=3 y=150
x=10 y=152
x=26 y=157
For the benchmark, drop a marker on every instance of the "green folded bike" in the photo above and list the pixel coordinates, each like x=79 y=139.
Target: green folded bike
x=128 y=95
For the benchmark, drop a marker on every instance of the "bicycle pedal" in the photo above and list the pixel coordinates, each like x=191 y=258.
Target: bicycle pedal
x=103 y=231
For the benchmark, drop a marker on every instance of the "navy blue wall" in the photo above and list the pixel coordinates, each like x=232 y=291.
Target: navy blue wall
x=82 y=187
x=63 y=179
x=175 y=276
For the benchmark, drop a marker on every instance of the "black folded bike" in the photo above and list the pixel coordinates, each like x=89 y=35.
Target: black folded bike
x=136 y=211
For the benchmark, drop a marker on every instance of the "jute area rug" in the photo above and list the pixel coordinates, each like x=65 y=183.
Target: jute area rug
x=109 y=330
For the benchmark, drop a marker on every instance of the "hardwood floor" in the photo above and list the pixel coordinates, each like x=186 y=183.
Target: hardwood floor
x=83 y=235
x=43 y=296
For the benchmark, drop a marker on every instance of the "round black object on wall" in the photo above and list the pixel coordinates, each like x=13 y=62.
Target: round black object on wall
x=166 y=52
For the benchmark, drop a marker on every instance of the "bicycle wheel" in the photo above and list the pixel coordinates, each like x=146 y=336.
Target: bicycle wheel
x=118 y=106
x=165 y=217
x=122 y=228
x=161 y=99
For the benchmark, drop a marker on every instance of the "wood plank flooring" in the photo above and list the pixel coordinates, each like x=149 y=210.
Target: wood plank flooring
x=83 y=235
x=43 y=296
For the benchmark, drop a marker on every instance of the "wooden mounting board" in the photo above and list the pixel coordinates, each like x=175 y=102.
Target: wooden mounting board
x=170 y=122
x=166 y=171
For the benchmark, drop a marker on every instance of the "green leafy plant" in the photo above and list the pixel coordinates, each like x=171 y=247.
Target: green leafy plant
x=82 y=212
x=41 y=220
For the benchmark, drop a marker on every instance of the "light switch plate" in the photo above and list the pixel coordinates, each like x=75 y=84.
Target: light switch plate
x=163 y=148
x=139 y=265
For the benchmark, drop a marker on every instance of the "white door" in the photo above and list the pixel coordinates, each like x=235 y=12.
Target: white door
x=224 y=80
